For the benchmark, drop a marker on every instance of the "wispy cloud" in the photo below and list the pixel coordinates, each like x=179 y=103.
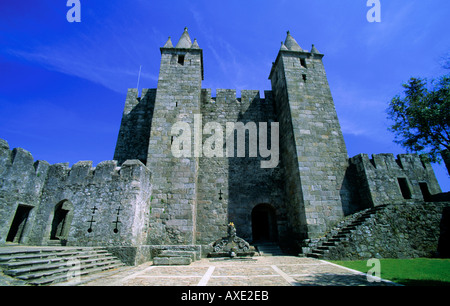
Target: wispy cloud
x=360 y=112
x=237 y=69
x=110 y=76
x=105 y=55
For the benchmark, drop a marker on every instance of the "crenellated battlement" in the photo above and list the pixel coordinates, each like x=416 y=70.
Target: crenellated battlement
x=133 y=99
x=38 y=187
x=385 y=179
x=134 y=133
x=20 y=163
x=20 y=160
x=228 y=104
x=18 y=170
x=229 y=96
x=83 y=172
x=402 y=162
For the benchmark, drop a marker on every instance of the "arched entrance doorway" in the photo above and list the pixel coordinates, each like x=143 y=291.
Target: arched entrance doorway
x=264 y=223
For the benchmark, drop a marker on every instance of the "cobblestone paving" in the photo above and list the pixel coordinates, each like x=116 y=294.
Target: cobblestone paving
x=258 y=271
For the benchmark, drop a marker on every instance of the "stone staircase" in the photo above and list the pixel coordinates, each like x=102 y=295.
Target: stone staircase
x=47 y=265
x=174 y=255
x=320 y=247
x=268 y=249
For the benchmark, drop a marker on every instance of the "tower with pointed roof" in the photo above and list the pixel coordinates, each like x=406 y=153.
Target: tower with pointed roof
x=312 y=145
x=177 y=99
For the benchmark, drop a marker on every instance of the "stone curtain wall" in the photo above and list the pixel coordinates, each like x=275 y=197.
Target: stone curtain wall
x=397 y=231
x=85 y=193
x=378 y=179
x=241 y=180
x=21 y=183
x=117 y=199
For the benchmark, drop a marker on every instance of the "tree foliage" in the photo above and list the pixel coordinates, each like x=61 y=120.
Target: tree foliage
x=422 y=116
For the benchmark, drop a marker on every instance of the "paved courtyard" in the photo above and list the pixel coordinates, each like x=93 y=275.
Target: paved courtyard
x=257 y=271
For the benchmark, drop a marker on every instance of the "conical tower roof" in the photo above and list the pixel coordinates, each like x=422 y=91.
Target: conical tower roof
x=283 y=47
x=314 y=49
x=185 y=41
x=195 y=44
x=291 y=43
x=168 y=43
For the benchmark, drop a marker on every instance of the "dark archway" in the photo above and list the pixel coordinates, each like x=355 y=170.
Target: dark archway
x=17 y=228
x=264 y=223
x=62 y=217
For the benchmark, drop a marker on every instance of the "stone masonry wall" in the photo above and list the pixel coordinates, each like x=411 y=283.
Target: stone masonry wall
x=380 y=180
x=295 y=205
x=241 y=180
x=316 y=156
x=21 y=184
x=134 y=133
x=104 y=194
x=174 y=179
x=397 y=231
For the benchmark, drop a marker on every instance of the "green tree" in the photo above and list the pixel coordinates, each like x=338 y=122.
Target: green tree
x=422 y=118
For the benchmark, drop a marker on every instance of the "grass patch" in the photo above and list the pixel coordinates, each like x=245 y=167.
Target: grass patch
x=408 y=272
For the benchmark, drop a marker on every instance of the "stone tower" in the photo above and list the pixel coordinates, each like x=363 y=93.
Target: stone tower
x=174 y=180
x=312 y=146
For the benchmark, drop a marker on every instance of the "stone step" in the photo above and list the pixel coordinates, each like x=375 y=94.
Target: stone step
x=60 y=264
x=82 y=268
x=46 y=265
x=172 y=261
x=329 y=243
x=269 y=249
x=339 y=235
x=30 y=256
x=324 y=247
x=174 y=253
x=50 y=258
x=55 y=278
x=315 y=255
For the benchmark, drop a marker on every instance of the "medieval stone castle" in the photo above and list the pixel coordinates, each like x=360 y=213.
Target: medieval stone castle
x=146 y=197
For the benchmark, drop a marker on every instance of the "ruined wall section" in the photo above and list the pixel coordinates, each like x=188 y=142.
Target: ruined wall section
x=21 y=184
x=230 y=187
x=384 y=179
x=134 y=133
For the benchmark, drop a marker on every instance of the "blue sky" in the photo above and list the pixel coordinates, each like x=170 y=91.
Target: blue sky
x=63 y=85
